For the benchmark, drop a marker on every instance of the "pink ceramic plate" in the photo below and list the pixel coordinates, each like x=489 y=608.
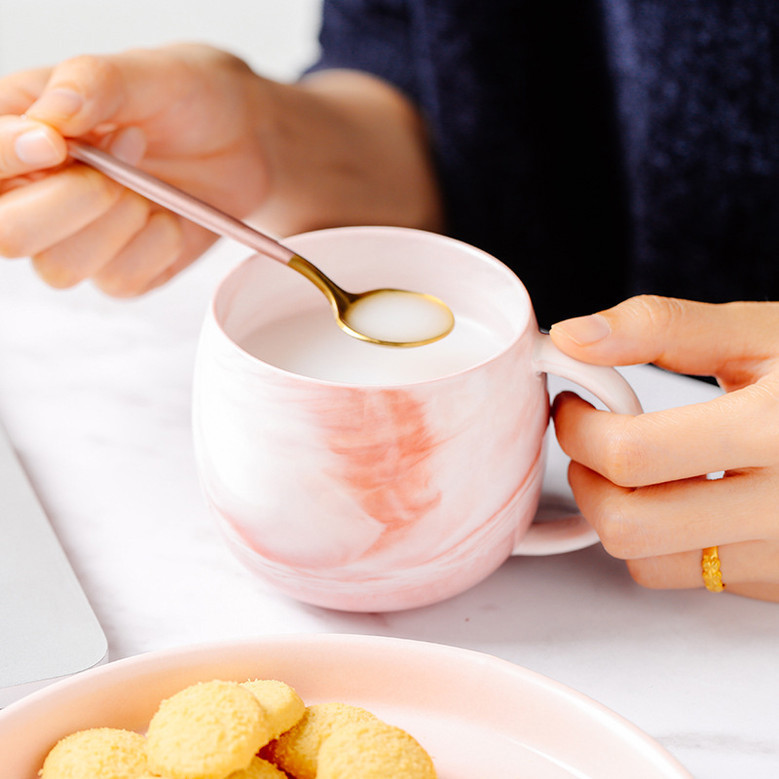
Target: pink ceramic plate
x=475 y=714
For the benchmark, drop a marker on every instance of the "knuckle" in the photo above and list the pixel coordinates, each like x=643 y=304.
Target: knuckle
x=12 y=241
x=617 y=531
x=660 y=313
x=95 y=71
x=102 y=192
x=123 y=278
x=645 y=573
x=136 y=209
x=16 y=237
x=117 y=281
x=764 y=397
x=91 y=194
x=113 y=287
x=113 y=279
x=53 y=272
x=624 y=456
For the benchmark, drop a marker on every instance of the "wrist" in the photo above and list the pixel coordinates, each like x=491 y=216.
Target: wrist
x=342 y=148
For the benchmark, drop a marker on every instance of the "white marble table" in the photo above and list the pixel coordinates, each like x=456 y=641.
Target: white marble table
x=95 y=394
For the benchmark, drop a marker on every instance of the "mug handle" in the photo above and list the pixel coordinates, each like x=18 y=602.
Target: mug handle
x=567 y=533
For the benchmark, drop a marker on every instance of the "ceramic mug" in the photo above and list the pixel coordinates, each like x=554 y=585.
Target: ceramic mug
x=369 y=478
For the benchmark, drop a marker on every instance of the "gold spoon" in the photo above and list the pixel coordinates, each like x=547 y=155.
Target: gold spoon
x=362 y=315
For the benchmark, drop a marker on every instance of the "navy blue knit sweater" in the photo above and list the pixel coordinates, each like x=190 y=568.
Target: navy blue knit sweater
x=599 y=147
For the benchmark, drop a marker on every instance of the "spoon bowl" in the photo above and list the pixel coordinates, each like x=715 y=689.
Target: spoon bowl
x=380 y=316
x=389 y=317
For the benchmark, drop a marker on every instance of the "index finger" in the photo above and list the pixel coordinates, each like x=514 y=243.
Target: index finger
x=18 y=91
x=734 y=341
x=736 y=430
x=86 y=92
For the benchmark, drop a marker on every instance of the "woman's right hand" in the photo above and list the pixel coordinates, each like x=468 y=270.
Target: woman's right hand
x=339 y=147
x=183 y=113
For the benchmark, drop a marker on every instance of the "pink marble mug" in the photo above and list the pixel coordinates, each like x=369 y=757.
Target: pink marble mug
x=377 y=479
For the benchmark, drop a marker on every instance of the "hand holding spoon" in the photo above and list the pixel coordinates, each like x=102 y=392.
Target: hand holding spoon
x=390 y=317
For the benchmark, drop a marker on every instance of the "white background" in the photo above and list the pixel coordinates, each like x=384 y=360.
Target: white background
x=276 y=37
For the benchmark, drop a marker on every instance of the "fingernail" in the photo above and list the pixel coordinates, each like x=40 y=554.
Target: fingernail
x=35 y=147
x=59 y=103
x=129 y=145
x=584 y=330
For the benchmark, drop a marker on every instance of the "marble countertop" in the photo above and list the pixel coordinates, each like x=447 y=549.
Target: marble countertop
x=95 y=394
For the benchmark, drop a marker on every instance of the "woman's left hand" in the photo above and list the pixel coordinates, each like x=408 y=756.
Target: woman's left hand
x=642 y=481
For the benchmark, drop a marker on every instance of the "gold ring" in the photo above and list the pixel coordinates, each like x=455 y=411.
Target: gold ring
x=710 y=568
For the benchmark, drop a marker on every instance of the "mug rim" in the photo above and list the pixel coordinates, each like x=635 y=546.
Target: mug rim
x=480 y=254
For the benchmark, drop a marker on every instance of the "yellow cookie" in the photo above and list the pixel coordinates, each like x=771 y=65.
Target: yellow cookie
x=282 y=705
x=373 y=750
x=297 y=750
x=206 y=731
x=259 y=769
x=98 y=753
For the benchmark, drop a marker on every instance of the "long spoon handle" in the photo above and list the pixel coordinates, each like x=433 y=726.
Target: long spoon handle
x=179 y=202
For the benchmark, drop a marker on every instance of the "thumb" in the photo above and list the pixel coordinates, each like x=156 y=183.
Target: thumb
x=81 y=93
x=724 y=340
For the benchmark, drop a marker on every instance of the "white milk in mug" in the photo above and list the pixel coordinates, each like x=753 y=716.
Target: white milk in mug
x=311 y=344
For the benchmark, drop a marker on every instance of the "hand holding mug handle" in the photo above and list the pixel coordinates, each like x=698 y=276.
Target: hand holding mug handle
x=573 y=531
